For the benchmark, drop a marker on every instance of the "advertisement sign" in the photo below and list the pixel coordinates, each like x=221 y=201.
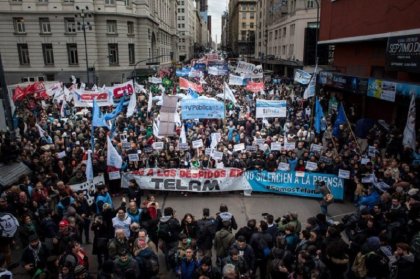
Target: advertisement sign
x=206 y=180
x=270 y=108
x=381 y=89
x=403 y=53
x=355 y=85
x=202 y=109
x=255 y=86
x=289 y=183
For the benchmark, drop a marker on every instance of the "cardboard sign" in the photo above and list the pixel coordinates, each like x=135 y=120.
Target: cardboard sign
x=157 y=145
x=208 y=151
x=311 y=166
x=260 y=141
x=316 y=147
x=126 y=145
x=275 y=146
x=289 y=145
x=283 y=167
x=325 y=159
x=197 y=143
x=344 y=174
x=251 y=148
x=183 y=146
x=239 y=147
x=114 y=175
x=61 y=154
x=364 y=161
x=372 y=151
x=133 y=157
x=148 y=149
x=300 y=174
x=217 y=155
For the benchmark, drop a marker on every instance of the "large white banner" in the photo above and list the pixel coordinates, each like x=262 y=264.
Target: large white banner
x=236 y=80
x=88 y=188
x=84 y=98
x=203 y=180
x=244 y=67
x=271 y=108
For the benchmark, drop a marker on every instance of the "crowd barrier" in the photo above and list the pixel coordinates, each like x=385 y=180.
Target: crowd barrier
x=231 y=179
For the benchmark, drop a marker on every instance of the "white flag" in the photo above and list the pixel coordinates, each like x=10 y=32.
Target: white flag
x=156 y=129
x=113 y=158
x=183 y=137
x=228 y=93
x=409 y=139
x=89 y=167
x=63 y=109
x=131 y=105
x=310 y=90
x=150 y=102
x=215 y=139
x=40 y=130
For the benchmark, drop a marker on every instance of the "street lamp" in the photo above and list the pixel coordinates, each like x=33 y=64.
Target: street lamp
x=84 y=13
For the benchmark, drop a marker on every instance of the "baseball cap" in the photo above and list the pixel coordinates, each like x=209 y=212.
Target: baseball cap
x=63 y=223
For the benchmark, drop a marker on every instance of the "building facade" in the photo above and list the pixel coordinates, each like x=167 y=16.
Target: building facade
x=379 y=50
x=285 y=35
x=224 y=36
x=44 y=40
x=186 y=28
x=242 y=21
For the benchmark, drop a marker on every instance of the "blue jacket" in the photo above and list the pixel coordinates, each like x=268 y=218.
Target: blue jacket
x=135 y=217
x=370 y=200
x=187 y=268
x=105 y=199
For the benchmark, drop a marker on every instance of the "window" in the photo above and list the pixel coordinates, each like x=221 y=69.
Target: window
x=252 y=15
x=310 y=3
x=284 y=50
x=292 y=30
x=251 y=7
x=243 y=7
x=19 y=25
x=17 y=1
x=275 y=35
x=43 y=1
x=72 y=54
x=113 y=54
x=243 y=24
x=111 y=26
x=251 y=25
x=243 y=15
x=243 y=35
x=131 y=54
x=127 y=3
x=109 y=2
x=68 y=1
x=284 y=31
x=44 y=25
x=70 y=25
x=23 y=52
x=47 y=51
x=130 y=28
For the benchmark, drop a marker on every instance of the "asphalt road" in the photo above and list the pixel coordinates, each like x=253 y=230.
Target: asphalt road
x=242 y=207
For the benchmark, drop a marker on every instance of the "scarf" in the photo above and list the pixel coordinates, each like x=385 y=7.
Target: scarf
x=35 y=252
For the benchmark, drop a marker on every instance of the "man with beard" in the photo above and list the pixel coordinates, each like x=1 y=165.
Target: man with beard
x=34 y=256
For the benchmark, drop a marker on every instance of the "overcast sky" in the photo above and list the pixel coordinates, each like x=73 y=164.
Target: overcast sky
x=216 y=9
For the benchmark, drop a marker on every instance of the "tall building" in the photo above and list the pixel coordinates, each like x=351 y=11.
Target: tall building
x=242 y=21
x=44 y=40
x=225 y=32
x=375 y=47
x=286 y=34
x=186 y=29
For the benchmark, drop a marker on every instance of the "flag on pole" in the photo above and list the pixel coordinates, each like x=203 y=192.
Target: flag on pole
x=340 y=120
x=228 y=93
x=97 y=119
x=192 y=93
x=156 y=129
x=131 y=105
x=310 y=90
x=319 y=116
x=116 y=111
x=89 y=167
x=113 y=158
x=150 y=102
x=63 y=109
x=409 y=139
x=183 y=137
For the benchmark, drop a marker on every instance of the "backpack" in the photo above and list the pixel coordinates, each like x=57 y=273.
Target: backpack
x=262 y=250
x=151 y=264
x=359 y=266
x=379 y=262
x=206 y=227
x=164 y=231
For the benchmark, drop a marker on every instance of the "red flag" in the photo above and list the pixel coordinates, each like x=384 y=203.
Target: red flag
x=185 y=84
x=18 y=94
x=255 y=86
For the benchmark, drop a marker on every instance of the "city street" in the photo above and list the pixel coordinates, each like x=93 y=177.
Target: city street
x=242 y=207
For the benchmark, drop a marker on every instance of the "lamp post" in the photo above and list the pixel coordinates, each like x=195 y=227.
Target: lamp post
x=84 y=13
x=316 y=32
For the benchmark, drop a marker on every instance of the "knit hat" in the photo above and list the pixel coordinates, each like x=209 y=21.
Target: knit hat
x=373 y=243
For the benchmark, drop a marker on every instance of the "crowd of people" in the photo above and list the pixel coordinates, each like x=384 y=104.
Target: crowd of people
x=382 y=238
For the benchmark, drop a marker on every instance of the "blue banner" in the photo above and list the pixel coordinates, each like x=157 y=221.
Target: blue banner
x=200 y=66
x=184 y=72
x=288 y=183
x=202 y=109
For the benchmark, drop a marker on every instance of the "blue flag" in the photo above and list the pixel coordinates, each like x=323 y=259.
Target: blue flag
x=192 y=93
x=97 y=119
x=340 y=120
x=319 y=116
x=116 y=111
